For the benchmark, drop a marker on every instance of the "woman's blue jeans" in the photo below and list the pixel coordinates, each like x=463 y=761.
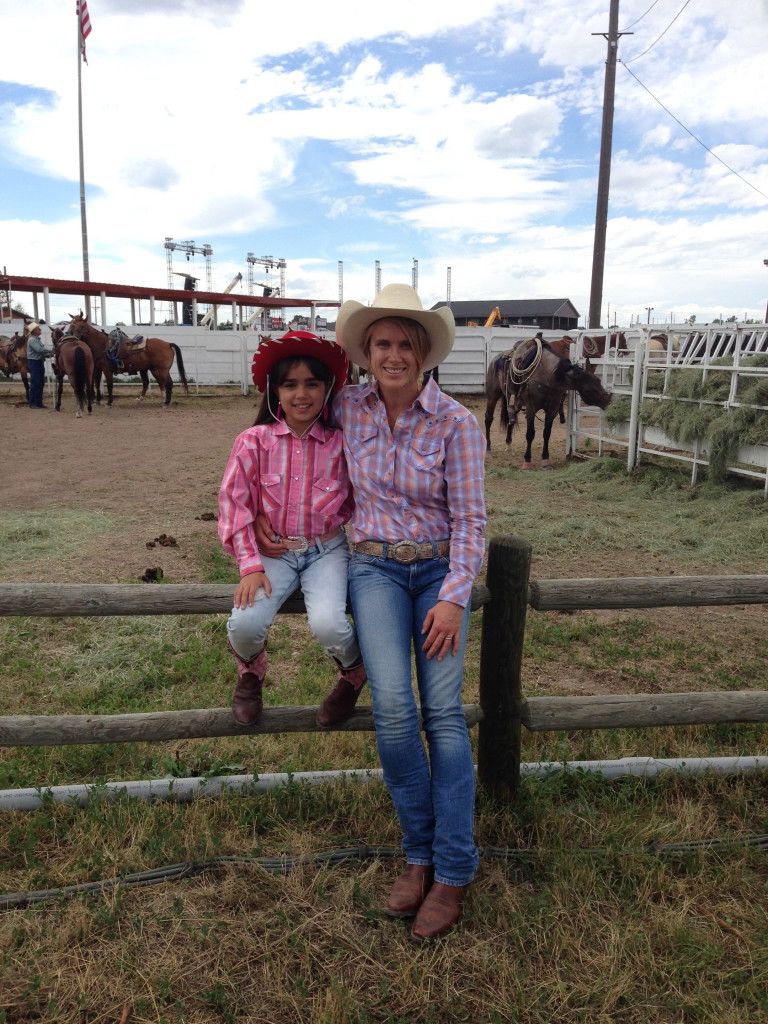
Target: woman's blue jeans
x=434 y=798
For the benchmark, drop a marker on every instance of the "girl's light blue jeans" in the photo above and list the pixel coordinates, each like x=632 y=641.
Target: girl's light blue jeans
x=434 y=798
x=321 y=572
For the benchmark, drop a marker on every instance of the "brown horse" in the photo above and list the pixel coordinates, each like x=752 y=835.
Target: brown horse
x=596 y=346
x=73 y=358
x=153 y=356
x=532 y=375
x=13 y=359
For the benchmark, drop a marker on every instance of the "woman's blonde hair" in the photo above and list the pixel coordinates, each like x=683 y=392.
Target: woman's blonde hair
x=413 y=331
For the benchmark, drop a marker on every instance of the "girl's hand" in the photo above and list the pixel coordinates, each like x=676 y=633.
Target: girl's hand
x=248 y=588
x=443 y=628
x=265 y=538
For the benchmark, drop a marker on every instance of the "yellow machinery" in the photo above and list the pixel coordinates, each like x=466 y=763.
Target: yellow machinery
x=494 y=316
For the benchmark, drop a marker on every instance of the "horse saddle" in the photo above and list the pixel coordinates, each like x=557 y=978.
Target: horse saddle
x=524 y=355
x=121 y=347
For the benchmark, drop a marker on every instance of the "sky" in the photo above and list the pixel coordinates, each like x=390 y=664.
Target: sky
x=465 y=136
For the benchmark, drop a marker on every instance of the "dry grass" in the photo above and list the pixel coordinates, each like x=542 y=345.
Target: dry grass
x=586 y=921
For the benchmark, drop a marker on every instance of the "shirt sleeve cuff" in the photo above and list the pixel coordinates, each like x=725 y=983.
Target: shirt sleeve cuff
x=457 y=590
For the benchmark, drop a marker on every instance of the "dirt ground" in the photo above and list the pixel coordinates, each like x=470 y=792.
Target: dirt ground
x=149 y=470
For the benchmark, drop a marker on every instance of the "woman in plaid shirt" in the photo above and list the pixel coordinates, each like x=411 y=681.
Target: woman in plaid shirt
x=289 y=466
x=416 y=461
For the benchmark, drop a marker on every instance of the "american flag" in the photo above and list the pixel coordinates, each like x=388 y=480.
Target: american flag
x=85 y=25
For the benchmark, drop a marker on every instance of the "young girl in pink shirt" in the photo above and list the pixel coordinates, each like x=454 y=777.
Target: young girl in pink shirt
x=289 y=466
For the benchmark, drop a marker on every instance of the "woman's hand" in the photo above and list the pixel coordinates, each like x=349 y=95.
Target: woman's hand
x=247 y=590
x=265 y=538
x=443 y=628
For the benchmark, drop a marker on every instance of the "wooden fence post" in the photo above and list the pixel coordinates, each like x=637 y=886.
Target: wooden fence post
x=501 y=656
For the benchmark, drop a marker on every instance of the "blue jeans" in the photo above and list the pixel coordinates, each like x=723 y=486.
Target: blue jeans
x=36 y=381
x=321 y=572
x=434 y=798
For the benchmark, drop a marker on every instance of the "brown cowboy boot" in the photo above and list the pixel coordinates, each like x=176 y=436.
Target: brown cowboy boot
x=439 y=912
x=409 y=891
x=340 y=702
x=246 y=700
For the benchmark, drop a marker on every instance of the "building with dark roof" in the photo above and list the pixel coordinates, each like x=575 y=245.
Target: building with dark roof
x=548 y=314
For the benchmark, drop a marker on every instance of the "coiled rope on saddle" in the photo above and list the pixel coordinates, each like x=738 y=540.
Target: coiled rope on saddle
x=523 y=362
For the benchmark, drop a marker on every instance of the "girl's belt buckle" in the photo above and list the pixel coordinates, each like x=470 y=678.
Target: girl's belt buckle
x=300 y=544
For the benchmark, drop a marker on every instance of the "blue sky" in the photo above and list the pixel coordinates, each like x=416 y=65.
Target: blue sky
x=461 y=135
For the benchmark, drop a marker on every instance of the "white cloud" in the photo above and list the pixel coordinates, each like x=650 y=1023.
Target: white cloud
x=469 y=141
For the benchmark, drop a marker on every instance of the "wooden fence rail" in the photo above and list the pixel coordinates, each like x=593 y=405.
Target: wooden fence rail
x=502 y=709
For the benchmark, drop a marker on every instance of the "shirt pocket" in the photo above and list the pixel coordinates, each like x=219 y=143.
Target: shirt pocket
x=271 y=486
x=425 y=453
x=360 y=443
x=327 y=496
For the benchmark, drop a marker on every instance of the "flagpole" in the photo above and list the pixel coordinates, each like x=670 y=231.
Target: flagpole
x=83 y=222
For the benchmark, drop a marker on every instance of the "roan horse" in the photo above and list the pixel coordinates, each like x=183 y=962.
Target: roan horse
x=13 y=359
x=155 y=356
x=532 y=375
x=73 y=358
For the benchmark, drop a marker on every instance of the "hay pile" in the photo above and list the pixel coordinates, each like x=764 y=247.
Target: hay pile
x=695 y=407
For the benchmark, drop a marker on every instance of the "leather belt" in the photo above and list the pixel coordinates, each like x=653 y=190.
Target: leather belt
x=405 y=551
x=302 y=544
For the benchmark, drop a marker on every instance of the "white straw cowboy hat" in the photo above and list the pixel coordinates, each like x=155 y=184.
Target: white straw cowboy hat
x=32 y=325
x=395 y=300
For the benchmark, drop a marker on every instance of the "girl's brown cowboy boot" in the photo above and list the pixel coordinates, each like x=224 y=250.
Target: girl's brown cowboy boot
x=340 y=702
x=247 y=700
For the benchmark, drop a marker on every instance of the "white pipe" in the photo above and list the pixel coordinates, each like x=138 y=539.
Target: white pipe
x=190 y=789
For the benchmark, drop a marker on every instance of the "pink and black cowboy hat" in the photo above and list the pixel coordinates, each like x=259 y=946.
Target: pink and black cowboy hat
x=296 y=344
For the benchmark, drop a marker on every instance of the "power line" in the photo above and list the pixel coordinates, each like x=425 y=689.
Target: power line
x=669 y=26
x=695 y=137
x=641 y=17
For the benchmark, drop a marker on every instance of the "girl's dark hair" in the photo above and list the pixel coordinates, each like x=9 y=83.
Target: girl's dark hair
x=277 y=375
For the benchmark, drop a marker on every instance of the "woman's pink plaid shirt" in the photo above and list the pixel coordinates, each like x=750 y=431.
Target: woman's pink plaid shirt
x=423 y=483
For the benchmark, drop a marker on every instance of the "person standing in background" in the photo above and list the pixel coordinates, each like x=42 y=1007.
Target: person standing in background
x=37 y=353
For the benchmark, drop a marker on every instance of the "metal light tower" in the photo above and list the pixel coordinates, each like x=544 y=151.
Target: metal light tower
x=189 y=248
x=415 y=275
x=341 y=281
x=448 y=286
x=377 y=278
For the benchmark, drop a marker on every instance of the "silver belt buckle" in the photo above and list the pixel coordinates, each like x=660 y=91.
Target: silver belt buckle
x=405 y=551
x=303 y=544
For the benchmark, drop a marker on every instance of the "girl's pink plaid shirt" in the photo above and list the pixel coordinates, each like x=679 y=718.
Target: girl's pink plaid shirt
x=300 y=484
x=423 y=483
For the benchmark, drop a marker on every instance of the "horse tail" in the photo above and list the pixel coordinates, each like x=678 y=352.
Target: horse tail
x=180 y=364
x=504 y=414
x=80 y=383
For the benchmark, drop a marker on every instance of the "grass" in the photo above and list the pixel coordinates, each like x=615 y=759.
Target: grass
x=580 y=913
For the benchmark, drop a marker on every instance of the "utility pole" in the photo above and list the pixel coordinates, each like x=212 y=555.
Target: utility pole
x=604 y=173
x=648 y=310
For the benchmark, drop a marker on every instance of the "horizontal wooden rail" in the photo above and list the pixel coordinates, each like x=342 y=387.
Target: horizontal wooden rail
x=54 y=599
x=149 y=727
x=636 y=710
x=77 y=599
x=646 y=592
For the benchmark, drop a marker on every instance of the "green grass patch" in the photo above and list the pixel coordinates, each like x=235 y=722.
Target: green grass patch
x=49 y=534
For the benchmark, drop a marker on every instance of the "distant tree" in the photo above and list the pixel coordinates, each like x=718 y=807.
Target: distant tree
x=691 y=320
x=731 y=320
